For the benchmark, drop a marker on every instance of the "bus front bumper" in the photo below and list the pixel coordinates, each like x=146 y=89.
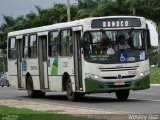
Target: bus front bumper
x=95 y=86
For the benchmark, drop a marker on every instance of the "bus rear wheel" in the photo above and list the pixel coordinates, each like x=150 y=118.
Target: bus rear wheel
x=30 y=90
x=40 y=94
x=122 y=95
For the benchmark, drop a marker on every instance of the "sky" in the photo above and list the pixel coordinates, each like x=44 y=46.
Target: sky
x=16 y=8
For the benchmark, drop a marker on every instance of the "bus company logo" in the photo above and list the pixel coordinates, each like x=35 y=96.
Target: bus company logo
x=119 y=76
x=115 y=24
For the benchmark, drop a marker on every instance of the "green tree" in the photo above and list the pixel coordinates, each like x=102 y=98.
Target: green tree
x=85 y=8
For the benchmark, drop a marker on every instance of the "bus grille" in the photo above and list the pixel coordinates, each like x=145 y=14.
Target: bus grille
x=123 y=77
x=118 y=69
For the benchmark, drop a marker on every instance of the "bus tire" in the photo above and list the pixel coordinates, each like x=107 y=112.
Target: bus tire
x=40 y=94
x=122 y=95
x=30 y=90
x=70 y=94
x=80 y=95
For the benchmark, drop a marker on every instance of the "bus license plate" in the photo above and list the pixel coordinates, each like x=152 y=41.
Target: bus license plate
x=119 y=83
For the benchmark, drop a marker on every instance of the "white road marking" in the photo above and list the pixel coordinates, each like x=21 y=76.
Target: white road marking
x=146 y=93
x=144 y=99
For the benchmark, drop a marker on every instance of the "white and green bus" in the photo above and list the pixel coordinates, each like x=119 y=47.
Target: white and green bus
x=74 y=57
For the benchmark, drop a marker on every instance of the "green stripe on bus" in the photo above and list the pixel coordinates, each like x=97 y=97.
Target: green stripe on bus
x=94 y=86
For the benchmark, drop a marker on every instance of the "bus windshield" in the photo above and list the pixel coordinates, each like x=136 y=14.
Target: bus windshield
x=111 y=46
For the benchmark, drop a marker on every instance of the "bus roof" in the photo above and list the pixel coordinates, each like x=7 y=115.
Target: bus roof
x=64 y=25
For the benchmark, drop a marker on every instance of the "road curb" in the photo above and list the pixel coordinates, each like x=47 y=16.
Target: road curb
x=155 y=84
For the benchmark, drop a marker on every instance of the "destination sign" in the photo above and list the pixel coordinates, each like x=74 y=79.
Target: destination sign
x=116 y=22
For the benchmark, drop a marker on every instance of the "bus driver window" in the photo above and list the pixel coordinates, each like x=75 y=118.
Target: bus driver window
x=121 y=44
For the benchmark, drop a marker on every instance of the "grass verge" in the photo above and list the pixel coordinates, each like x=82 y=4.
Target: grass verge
x=10 y=113
x=155 y=75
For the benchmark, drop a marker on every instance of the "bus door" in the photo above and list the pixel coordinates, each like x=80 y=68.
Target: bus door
x=77 y=57
x=42 y=58
x=19 y=40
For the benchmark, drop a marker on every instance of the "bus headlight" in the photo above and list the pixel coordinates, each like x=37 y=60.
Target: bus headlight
x=92 y=76
x=142 y=74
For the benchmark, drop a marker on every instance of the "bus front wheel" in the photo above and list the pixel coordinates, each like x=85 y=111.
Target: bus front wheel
x=122 y=95
x=70 y=94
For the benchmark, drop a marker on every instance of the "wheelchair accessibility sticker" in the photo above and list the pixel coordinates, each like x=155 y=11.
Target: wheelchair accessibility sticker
x=122 y=57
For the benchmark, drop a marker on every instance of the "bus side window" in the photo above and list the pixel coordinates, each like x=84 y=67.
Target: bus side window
x=12 y=48
x=53 y=44
x=66 y=44
x=87 y=44
x=32 y=49
x=25 y=47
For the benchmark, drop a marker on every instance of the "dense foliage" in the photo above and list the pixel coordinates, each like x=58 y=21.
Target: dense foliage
x=85 y=8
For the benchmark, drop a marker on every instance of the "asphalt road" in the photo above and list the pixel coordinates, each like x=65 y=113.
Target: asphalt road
x=143 y=102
